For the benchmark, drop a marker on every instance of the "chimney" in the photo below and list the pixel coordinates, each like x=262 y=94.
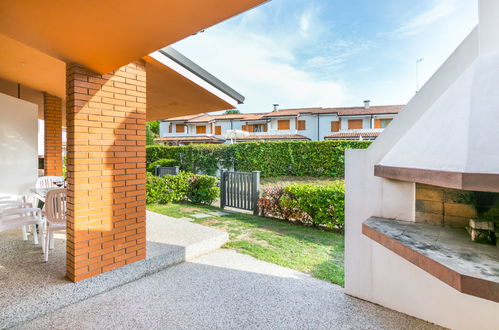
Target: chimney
x=367 y=104
x=276 y=107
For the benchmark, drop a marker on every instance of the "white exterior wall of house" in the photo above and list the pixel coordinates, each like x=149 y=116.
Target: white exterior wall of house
x=18 y=145
x=273 y=126
x=317 y=131
x=317 y=126
x=374 y=273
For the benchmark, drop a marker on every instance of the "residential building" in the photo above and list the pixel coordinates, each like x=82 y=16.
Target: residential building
x=306 y=124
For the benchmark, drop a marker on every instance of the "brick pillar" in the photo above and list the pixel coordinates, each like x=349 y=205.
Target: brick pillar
x=106 y=116
x=52 y=115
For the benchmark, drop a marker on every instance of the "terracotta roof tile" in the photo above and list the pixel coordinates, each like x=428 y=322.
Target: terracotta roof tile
x=274 y=137
x=352 y=135
x=190 y=139
x=350 y=111
x=185 y=118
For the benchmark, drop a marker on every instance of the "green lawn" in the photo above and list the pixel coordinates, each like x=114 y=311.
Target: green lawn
x=316 y=252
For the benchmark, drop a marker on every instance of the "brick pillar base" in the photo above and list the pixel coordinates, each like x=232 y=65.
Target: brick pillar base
x=52 y=115
x=106 y=116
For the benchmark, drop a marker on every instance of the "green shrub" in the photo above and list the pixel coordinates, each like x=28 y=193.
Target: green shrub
x=166 y=189
x=161 y=162
x=204 y=159
x=294 y=158
x=325 y=205
x=310 y=204
x=202 y=189
x=198 y=189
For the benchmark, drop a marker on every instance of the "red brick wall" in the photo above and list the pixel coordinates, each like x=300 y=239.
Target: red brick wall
x=106 y=116
x=52 y=114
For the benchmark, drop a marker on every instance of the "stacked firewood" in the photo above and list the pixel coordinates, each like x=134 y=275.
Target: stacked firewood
x=483 y=231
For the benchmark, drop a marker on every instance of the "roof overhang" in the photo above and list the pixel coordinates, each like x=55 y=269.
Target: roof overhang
x=105 y=35
x=175 y=89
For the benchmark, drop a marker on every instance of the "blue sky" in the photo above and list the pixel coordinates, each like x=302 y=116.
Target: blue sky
x=326 y=53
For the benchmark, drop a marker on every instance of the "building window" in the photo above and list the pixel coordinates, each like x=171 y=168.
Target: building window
x=355 y=124
x=335 y=126
x=218 y=130
x=382 y=123
x=258 y=128
x=179 y=128
x=301 y=125
x=245 y=128
x=200 y=129
x=283 y=125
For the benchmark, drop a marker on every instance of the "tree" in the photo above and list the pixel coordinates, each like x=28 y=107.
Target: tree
x=154 y=126
x=232 y=112
x=152 y=132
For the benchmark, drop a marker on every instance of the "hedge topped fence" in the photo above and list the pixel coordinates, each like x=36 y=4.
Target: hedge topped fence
x=294 y=158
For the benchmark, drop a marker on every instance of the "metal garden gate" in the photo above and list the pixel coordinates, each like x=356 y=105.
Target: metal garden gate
x=161 y=171
x=240 y=190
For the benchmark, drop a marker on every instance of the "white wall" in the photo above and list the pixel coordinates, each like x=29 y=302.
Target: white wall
x=18 y=145
x=376 y=274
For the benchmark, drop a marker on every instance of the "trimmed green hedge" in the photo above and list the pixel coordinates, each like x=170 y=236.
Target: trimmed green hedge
x=204 y=159
x=296 y=158
x=198 y=189
x=161 y=162
x=321 y=206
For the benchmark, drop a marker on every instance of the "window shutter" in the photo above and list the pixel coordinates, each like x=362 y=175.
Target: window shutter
x=301 y=125
x=355 y=124
x=218 y=130
x=179 y=128
x=335 y=126
x=283 y=124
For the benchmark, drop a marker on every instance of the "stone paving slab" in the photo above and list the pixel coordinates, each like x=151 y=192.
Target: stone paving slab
x=219 y=213
x=200 y=215
x=30 y=287
x=186 y=219
x=226 y=290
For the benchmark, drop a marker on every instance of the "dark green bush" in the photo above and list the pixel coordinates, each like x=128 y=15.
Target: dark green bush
x=198 y=189
x=310 y=204
x=161 y=162
x=202 y=189
x=166 y=189
x=204 y=159
x=295 y=158
x=325 y=205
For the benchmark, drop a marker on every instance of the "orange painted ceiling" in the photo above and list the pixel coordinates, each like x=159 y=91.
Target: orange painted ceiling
x=37 y=38
x=104 y=35
x=170 y=94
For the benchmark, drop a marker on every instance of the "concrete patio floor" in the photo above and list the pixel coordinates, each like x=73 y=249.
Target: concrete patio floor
x=30 y=287
x=226 y=290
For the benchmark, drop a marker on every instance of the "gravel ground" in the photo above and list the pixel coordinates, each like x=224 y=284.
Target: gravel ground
x=226 y=290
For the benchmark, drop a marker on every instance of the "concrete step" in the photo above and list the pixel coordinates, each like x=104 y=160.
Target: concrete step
x=31 y=288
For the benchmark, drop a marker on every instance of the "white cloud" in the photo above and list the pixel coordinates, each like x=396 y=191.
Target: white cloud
x=260 y=68
x=438 y=10
x=336 y=54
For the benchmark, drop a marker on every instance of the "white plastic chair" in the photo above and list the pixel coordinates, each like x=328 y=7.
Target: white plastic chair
x=18 y=203
x=55 y=214
x=18 y=215
x=49 y=181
